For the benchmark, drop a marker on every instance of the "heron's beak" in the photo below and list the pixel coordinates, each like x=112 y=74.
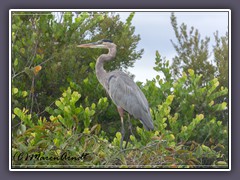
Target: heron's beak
x=91 y=45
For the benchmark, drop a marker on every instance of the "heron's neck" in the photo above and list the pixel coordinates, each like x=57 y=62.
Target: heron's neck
x=100 y=71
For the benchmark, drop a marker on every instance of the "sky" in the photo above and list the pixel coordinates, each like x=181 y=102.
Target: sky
x=156 y=32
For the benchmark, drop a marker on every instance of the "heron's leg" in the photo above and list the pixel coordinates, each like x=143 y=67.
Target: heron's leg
x=130 y=125
x=121 y=113
x=130 y=130
x=122 y=132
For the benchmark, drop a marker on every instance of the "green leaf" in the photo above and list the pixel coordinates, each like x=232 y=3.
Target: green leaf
x=224 y=105
x=15 y=90
x=24 y=93
x=22 y=50
x=76 y=96
x=67 y=109
x=85 y=80
x=206 y=148
x=93 y=106
x=219 y=123
x=18 y=112
x=59 y=104
x=191 y=72
x=92 y=65
x=199 y=116
x=23 y=128
x=118 y=135
x=104 y=99
x=199 y=151
x=86 y=131
x=15 y=62
x=87 y=111
x=52 y=118
x=170 y=99
x=56 y=142
x=223 y=163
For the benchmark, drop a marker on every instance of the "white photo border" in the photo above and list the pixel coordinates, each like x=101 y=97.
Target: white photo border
x=118 y=10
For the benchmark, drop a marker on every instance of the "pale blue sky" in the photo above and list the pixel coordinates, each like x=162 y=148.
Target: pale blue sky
x=156 y=32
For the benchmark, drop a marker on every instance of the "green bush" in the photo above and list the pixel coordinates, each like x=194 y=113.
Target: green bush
x=63 y=118
x=187 y=133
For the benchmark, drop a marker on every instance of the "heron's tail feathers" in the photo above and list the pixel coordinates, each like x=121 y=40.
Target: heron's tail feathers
x=147 y=121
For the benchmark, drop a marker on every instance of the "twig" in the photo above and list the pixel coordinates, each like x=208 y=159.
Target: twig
x=133 y=149
x=35 y=48
x=32 y=94
x=46 y=60
x=34 y=54
x=15 y=75
x=13 y=71
x=45 y=109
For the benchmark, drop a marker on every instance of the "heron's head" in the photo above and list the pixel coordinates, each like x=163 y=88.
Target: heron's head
x=104 y=43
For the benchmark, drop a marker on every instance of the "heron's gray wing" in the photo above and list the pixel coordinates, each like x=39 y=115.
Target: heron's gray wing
x=126 y=94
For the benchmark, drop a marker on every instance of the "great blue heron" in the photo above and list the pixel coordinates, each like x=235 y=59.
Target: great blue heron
x=123 y=91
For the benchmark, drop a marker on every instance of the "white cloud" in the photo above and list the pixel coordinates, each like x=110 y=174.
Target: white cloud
x=156 y=31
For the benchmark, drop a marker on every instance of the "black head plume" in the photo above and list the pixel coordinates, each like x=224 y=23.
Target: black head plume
x=106 y=40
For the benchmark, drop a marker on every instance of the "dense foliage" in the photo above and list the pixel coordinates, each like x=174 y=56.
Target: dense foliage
x=61 y=116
